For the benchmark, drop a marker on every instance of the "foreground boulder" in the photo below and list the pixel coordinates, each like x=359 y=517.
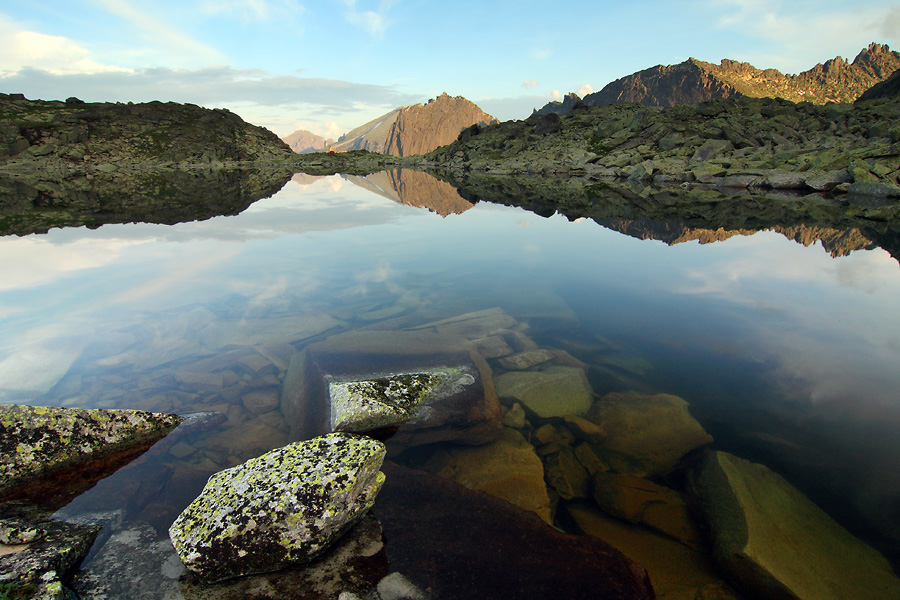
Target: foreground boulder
x=284 y=507
x=49 y=454
x=461 y=544
x=775 y=543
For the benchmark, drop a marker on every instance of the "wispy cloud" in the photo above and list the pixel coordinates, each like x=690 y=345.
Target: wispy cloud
x=163 y=36
x=530 y=83
x=374 y=21
x=250 y=10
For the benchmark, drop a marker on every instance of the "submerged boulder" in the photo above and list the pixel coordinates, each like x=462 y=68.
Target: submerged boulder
x=645 y=436
x=555 y=392
x=774 y=542
x=48 y=454
x=284 y=507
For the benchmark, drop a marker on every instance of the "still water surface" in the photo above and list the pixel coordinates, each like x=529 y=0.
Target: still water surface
x=786 y=355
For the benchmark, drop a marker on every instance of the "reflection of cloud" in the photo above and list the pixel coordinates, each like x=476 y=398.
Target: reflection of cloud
x=33 y=261
x=523 y=223
x=529 y=83
x=192 y=267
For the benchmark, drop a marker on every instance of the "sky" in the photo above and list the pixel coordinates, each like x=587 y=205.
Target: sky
x=331 y=65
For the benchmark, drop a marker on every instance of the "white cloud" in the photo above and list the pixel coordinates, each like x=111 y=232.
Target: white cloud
x=254 y=9
x=554 y=95
x=55 y=54
x=178 y=47
x=530 y=83
x=584 y=89
x=374 y=22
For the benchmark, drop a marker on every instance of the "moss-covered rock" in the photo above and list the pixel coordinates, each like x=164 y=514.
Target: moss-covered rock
x=284 y=507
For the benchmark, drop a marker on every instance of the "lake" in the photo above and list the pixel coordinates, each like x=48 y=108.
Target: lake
x=787 y=352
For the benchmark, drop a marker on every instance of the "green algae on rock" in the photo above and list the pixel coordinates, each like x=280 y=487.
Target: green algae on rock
x=365 y=405
x=48 y=448
x=284 y=507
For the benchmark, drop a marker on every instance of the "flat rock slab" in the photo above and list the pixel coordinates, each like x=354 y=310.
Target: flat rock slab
x=51 y=454
x=554 y=392
x=284 y=507
x=462 y=544
x=53 y=551
x=644 y=435
x=774 y=542
x=464 y=409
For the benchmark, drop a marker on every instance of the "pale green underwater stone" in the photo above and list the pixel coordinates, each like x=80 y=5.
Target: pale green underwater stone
x=284 y=507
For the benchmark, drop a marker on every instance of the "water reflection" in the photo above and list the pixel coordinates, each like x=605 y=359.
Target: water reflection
x=787 y=354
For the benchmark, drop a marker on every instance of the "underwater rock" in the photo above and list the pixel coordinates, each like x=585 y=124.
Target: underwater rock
x=50 y=454
x=525 y=360
x=363 y=405
x=284 y=507
x=640 y=501
x=676 y=571
x=464 y=409
x=460 y=544
x=774 y=542
x=645 y=436
x=507 y=469
x=554 y=392
x=40 y=553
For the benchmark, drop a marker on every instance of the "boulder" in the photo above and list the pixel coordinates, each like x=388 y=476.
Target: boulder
x=51 y=454
x=507 y=469
x=567 y=475
x=525 y=360
x=463 y=409
x=641 y=501
x=461 y=544
x=775 y=543
x=646 y=436
x=39 y=553
x=284 y=507
x=554 y=392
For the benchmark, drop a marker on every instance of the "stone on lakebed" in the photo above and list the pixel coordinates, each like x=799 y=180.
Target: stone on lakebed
x=284 y=507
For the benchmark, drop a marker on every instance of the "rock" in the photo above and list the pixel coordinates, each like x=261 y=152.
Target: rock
x=51 y=454
x=781 y=180
x=874 y=188
x=364 y=405
x=676 y=571
x=397 y=587
x=640 y=501
x=525 y=360
x=712 y=149
x=355 y=565
x=554 y=392
x=476 y=325
x=507 y=469
x=646 y=436
x=515 y=417
x=760 y=526
x=827 y=181
x=482 y=537
x=493 y=346
x=40 y=553
x=567 y=475
x=465 y=411
x=281 y=508
x=262 y=401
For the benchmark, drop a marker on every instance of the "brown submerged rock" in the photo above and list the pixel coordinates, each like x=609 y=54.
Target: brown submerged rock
x=462 y=544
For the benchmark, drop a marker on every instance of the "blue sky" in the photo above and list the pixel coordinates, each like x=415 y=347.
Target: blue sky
x=330 y=65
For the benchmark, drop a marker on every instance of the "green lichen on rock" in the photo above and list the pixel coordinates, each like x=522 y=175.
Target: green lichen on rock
x=38 y=442
x=284 y=507
x=367 y=404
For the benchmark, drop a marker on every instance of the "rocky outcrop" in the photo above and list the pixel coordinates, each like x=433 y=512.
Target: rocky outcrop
x=775 y=543
x=49 y=455
x=303 y=142
x=887 y=88
x=694 y=81
x=569 y=102
x=415 y=129
x=284 y=507
x=114 y=136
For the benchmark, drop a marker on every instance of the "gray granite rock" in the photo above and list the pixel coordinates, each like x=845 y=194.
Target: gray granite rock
x=284 y=507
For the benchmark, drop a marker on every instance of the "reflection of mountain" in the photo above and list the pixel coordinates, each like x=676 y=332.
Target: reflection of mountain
x=29 y=204
x=303 y=180
x=842 y=225
x=414 y=188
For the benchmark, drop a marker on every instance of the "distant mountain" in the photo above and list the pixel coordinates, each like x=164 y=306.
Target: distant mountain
x=415 y=129
x=570 y=101
x=303 y=141
x=695 y=81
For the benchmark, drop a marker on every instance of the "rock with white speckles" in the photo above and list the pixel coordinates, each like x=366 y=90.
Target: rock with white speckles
x=50 y=454
x=282 y=508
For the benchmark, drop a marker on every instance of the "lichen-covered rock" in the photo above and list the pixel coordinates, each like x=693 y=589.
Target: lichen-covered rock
x=47 y=447
x=284 y=507
x=364 y=405
x=775 y=542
